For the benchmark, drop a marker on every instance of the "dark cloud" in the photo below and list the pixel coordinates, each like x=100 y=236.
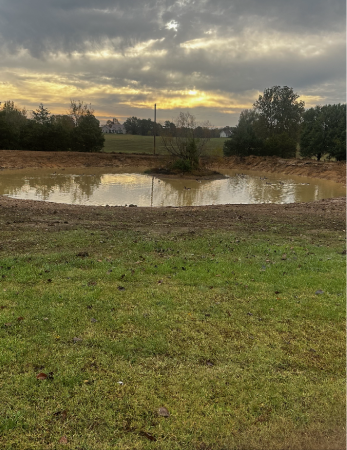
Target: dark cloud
x=50 y=26
x=228 y=47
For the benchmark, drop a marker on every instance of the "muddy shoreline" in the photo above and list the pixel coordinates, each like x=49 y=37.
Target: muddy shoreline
x=21 y=215
x=21 y=159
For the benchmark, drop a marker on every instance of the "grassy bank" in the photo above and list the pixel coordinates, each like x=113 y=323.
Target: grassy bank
x=127 y=143
x=240 y=336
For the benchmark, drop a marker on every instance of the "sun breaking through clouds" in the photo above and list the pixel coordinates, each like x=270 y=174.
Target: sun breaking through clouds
x=211 y=57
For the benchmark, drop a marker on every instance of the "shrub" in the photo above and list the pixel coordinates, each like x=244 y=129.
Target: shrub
x=183 y=165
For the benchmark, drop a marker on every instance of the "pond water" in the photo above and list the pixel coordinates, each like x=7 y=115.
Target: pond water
x=113 y=187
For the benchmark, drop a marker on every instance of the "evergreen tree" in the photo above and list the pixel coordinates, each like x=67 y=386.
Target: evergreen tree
x=41 y=115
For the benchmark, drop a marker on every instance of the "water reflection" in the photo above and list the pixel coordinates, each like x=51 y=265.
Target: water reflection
x=100 y=186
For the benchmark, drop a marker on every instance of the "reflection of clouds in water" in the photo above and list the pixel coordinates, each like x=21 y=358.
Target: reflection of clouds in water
x=128 y=179
x=94 y=187
x=123 y=189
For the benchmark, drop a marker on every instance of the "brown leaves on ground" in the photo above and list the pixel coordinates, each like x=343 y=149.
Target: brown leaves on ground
x=163 y=412
x=41 y=376
x=44 y=376
x=63 y=440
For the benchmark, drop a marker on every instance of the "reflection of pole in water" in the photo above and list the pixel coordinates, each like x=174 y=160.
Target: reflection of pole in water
x=152 y=191
x=154 y=126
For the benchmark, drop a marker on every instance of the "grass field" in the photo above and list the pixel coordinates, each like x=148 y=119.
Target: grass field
x=240 y=336
x=127 y=143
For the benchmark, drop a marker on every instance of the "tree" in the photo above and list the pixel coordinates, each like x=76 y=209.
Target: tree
x=340 y=149
x=38 y=134
x=335 y=122
x=79 y=131
x=111 y=122
x=243 y=140
x=87 y=136
x=47 y=132
x=182 y=142
x=313 y=136
x=63 y=120
x=281 y=145
x=279 y=112
x=169 y=125
x=271 y=128
x=41 y=115
x=324 y=132
x=215 y=132
x=12 y=123
x=143 y=127
x=79 y=109
x=146 y=127
x=131 y=125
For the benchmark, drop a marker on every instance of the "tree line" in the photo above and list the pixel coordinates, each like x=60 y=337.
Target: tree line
x=279 y=125
x=78 y=130
x=145 y=127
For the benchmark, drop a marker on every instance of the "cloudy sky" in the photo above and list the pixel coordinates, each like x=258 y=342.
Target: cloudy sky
x=210 y=57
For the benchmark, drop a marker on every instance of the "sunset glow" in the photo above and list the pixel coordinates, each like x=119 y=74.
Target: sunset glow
x=125 y=59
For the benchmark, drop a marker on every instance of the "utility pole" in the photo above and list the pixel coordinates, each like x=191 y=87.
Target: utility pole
x=155 y=126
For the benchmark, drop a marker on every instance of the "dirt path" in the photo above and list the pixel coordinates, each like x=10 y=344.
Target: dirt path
x=21 y=215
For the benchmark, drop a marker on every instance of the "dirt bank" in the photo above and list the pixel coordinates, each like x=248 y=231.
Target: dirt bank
x=19 y=159
x=20 y=215
x=328 y=170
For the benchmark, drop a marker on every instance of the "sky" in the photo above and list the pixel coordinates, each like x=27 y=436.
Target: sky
x=212 y=58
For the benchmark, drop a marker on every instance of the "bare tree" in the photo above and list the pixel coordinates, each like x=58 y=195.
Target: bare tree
x=79 y=109
x=187 y=140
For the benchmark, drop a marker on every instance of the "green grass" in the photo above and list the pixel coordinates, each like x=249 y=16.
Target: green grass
x=232 y=339
x=127 y=143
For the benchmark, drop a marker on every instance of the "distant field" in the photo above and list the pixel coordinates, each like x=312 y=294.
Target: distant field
x=127 y=143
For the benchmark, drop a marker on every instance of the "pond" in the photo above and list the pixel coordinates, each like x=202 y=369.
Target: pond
x=120 y=187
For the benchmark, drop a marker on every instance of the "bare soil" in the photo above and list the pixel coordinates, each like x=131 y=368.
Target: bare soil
x=18 y=159
x=317 y=216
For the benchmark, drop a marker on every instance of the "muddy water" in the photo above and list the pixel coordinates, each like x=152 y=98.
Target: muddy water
x=105 y=186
